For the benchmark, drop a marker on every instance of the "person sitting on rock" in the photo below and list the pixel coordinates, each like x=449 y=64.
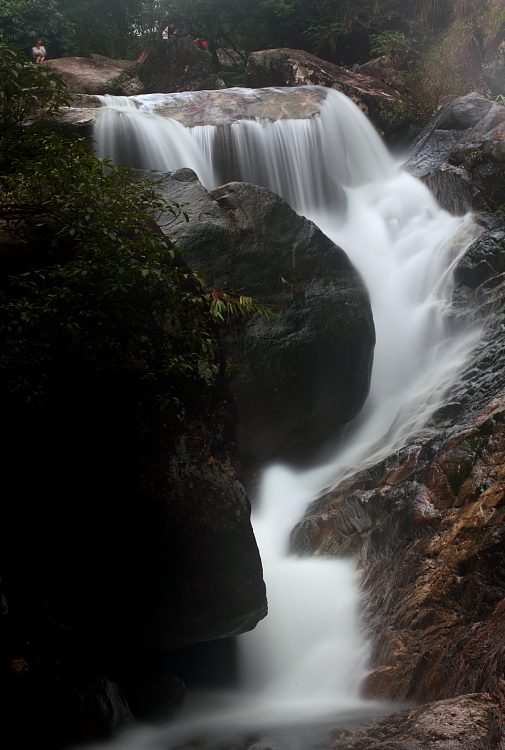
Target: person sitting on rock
x=38 y=52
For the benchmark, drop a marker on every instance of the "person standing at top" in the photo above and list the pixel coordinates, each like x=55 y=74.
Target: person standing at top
x=38 y=52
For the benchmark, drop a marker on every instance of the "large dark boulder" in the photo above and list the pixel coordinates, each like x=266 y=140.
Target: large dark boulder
x=427 y=524
x=300 y=376
x=288 y=67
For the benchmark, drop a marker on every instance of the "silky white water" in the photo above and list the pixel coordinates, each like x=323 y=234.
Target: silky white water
x=304 y=663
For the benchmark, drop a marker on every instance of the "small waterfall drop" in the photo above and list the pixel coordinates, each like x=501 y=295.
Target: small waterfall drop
x=304 y=662
x=132 y=134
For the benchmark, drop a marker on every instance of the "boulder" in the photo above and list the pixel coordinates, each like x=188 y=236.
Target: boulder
x=470 y=722
x=297 y=376
x=287 y=67
x=427 y=524
x=434 y=144
x=92 y=75
x=461 y=155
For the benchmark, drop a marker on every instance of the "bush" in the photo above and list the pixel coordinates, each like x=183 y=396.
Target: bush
x=92 y=276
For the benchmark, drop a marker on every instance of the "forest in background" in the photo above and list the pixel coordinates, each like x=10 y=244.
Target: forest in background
x=438 y=44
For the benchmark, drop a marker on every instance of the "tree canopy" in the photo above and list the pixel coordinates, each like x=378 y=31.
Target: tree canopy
x=120 y=28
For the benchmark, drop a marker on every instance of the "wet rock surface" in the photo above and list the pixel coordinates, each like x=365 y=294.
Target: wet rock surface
x=219 y=107
x=470 y=722
x=427 y=523
x=298 y=376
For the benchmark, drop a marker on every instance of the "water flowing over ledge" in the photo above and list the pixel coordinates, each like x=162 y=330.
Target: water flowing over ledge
x=305 y=662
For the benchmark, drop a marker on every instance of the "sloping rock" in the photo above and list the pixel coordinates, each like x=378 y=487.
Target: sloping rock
x=471 y=722
x=91 y=75
x=287 y=67
x=428 y=523
x=461 y=155
x=434 y=144
x=382 y=69
x=295 y=377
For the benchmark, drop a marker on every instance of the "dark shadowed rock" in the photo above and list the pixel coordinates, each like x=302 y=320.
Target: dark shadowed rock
x=127 y=534
x=299 y=376
x=287 y=67
x=434 y=144
x=470 y=722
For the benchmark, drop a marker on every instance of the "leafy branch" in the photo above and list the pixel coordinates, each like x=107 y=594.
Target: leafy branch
x=226 y=304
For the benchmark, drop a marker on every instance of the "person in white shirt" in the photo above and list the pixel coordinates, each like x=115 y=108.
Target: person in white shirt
x=38 y=52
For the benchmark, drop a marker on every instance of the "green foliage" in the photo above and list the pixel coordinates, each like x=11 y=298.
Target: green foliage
x=105 y=27
x=389 y=43
x=170 y=65
x=95 y=280
x=28 y=93
x=453 y=64
x=225 y=305
x=122 y=299
x=24 y=21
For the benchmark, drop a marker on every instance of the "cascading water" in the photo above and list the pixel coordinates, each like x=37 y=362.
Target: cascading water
x=304 y=663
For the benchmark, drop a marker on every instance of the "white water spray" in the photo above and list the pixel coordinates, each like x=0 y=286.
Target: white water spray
x=305 y=661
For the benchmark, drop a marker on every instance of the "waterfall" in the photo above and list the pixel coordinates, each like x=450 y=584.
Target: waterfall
x=304 y=663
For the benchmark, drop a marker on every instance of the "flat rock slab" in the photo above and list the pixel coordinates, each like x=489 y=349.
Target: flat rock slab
x=88 y=75
x=469 y=722
x=222 y=107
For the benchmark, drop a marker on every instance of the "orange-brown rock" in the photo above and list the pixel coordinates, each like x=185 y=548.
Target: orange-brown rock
x=471 y=722
x=288 y=67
